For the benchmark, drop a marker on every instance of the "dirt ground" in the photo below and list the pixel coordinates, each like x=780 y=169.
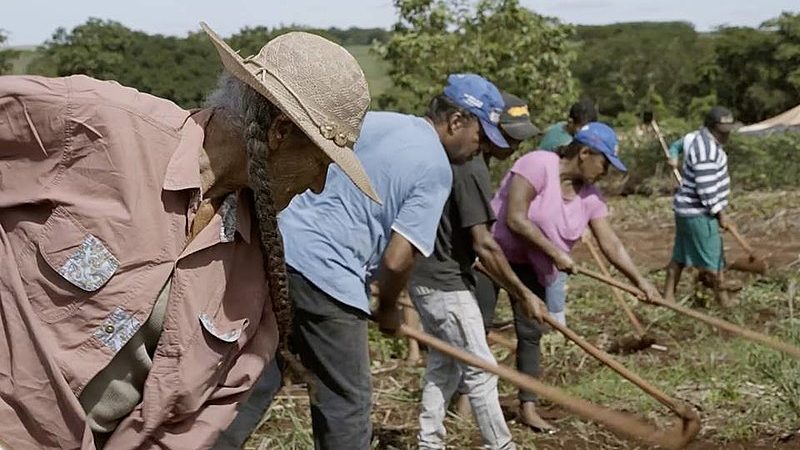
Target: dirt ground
x=770 y=222
x=772 y=230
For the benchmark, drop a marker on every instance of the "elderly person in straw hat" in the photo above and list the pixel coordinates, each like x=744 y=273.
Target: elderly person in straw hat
x=141 y=269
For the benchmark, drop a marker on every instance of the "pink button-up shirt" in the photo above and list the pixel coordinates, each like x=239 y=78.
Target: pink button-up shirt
x=98 y=188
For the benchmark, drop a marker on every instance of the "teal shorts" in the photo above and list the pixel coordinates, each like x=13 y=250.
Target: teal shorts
x=698 y=243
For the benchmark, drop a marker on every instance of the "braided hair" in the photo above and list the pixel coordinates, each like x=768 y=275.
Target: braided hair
x=271 y=241
x=247 y=110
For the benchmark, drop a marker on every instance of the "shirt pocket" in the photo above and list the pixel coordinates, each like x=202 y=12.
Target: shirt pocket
x=71 y=265
x=209 y=358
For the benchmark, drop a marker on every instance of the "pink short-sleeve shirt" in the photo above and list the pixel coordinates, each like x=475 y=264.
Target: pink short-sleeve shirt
x=562 y=222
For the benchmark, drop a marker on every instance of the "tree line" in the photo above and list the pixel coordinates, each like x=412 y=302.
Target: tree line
x=668 y=68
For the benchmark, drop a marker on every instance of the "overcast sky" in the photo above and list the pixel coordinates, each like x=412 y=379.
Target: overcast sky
x=31 y=22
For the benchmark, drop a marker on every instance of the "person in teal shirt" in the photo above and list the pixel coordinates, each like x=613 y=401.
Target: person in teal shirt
x=560 y=134
x=676 y=149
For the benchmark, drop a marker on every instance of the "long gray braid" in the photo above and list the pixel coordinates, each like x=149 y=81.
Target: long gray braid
x=255 y=132
x=251 y=113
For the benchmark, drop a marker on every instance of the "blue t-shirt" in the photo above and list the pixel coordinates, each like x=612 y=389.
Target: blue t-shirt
x=336 y=239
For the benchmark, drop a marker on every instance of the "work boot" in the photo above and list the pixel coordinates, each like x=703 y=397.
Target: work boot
x=529 y=417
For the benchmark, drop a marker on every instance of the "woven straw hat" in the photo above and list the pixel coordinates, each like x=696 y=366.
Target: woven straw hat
x=315 y=82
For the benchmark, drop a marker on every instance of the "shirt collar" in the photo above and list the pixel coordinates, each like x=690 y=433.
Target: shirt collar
x=244 y=215
x=183 y=170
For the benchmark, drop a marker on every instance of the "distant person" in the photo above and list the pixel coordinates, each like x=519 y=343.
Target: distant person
x=335 y=243
x=442 y=287
x=561 y=133
x=676 y=149
x=142 y=279
x=544 y=205
x=700 y=203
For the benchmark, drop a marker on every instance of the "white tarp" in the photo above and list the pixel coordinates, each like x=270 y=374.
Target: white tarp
x=785 y=121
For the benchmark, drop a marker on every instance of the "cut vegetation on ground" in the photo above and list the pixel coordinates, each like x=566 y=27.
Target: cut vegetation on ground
x=748 y=397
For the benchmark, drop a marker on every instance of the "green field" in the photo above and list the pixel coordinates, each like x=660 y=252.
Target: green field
x=374 y=68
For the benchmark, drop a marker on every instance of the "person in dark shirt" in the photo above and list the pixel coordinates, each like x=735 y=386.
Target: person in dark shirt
x=442 y=288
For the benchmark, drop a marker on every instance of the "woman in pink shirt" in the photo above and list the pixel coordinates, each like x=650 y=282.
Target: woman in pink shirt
x=543 y=206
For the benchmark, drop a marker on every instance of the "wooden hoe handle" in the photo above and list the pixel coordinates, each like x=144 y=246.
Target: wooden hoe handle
x=618 y=422
x=637 y=326
x=754 y=336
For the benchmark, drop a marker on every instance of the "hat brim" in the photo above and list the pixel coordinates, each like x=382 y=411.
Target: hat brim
x=276 y=93
x=728 y=127
x=521 y=130
x=494 y=134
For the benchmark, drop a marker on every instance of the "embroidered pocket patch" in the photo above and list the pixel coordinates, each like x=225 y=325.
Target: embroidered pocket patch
x=232 y=335
x=90 y=266
x=117 y=329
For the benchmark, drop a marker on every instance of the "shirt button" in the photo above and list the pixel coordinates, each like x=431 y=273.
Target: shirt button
x=109 y=329
x=219 y=364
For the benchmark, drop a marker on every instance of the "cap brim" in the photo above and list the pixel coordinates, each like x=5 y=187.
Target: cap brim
x=616 y=162
x=728 y=127
x=521 y=130
x=276 y=93
x=494 y=134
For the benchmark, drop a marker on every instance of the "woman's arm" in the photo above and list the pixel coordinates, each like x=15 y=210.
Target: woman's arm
x=615 y=252
x=520 y=196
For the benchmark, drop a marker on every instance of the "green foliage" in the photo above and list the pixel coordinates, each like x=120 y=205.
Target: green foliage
x=770 y=162
x=6 y=56
x=780 y=369
x=761 y=67
x=672 y=70
x=754 y=162
x=181 y=69
x=520 y=51
x=632 y=67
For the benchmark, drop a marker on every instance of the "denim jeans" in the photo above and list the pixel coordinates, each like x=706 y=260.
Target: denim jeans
x=455 y=318
x=555 y=296
x=529 y=331
x=331 y=340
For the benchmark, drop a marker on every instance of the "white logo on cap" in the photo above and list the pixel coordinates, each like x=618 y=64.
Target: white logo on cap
x=472 y=101
x=494 y=116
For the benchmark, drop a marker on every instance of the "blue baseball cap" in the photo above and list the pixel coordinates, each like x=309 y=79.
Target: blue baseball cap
x=481 y=98
x=601 y=138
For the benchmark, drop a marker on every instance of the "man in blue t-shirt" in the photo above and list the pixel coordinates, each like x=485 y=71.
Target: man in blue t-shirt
x=337 y=240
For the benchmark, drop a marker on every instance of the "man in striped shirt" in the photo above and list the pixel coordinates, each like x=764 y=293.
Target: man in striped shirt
x=700 y=203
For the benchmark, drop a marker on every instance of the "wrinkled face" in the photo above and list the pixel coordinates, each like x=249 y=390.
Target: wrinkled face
x=463 y=138
x=593 y=165
x=295 y=163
